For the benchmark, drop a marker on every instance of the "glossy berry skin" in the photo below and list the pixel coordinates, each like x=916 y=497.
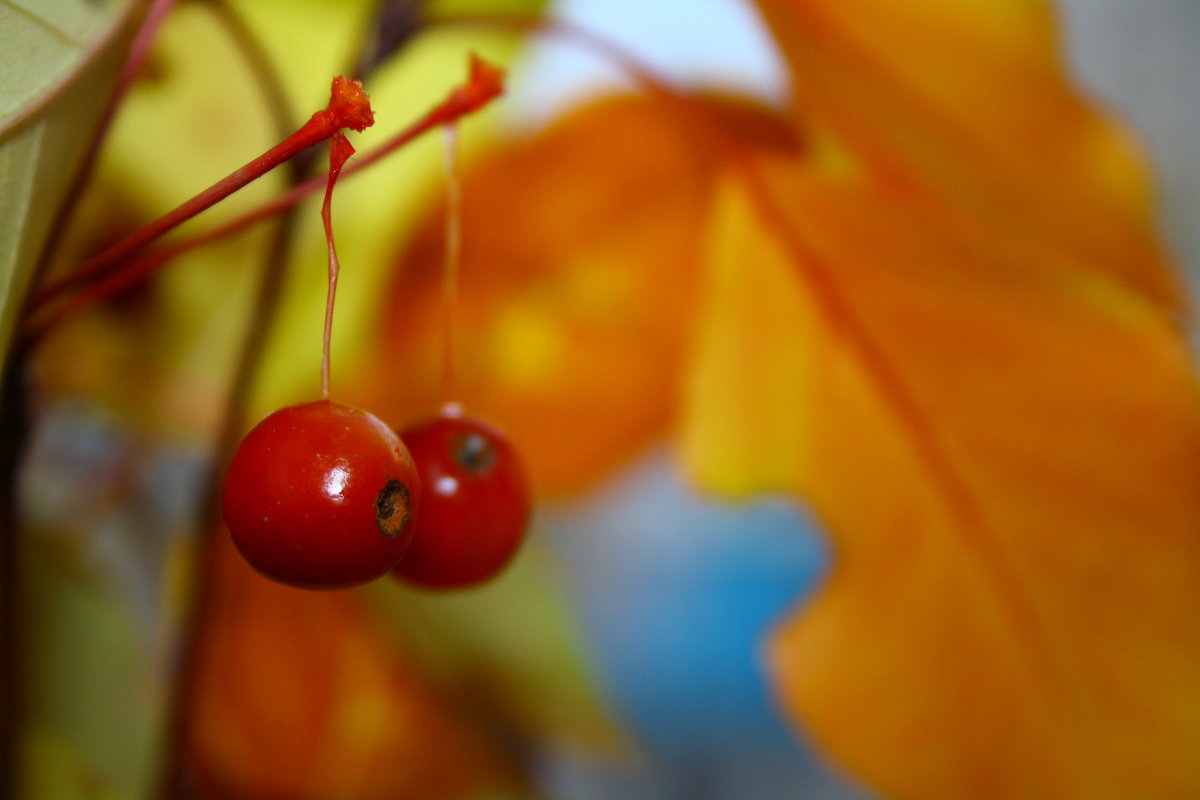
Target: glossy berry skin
x=321 y=496
x=475 y=505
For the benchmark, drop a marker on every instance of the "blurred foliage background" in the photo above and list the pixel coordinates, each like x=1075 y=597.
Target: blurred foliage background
x=624 y=654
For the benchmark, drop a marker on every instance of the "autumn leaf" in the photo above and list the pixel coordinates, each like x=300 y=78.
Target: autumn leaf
x=993 y=414
x=298 y=695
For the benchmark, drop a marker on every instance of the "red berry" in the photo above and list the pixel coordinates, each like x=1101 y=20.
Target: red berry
x=475 y=506
x=321 y=496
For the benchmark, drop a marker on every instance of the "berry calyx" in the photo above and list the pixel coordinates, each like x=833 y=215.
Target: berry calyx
x=321 y=496
x=475 y=505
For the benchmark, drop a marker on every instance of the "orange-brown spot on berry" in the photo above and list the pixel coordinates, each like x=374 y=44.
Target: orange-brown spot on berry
x=392 y=508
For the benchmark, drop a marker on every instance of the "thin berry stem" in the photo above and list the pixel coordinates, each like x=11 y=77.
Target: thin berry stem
x=340 y=149
x=348 y=108
x=453 y=260
x=484 y=84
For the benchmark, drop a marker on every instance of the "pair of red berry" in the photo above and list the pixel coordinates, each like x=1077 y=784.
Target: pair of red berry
x=323 y=495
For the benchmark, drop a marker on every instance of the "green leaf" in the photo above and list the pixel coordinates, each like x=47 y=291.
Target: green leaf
x=58 y=63
x=93 y=682
x=537 y=676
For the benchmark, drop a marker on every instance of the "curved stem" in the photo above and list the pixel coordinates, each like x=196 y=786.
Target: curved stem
x=339 y=150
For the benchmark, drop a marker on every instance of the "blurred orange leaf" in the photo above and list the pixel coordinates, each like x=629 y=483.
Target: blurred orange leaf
x=299 y=696
x=578 y=283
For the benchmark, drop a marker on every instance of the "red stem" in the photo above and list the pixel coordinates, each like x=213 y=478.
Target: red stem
x=348 y=108
x=484 y=84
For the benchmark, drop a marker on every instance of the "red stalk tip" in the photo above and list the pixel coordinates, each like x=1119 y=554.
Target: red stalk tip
x=349 y=104
x=485 y=82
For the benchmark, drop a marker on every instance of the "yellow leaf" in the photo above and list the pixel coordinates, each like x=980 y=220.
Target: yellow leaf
x=754 y=359
x=1004 y=451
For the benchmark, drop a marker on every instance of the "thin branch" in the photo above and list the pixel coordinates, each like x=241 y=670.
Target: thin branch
x=339 y=150
x=452 y=261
